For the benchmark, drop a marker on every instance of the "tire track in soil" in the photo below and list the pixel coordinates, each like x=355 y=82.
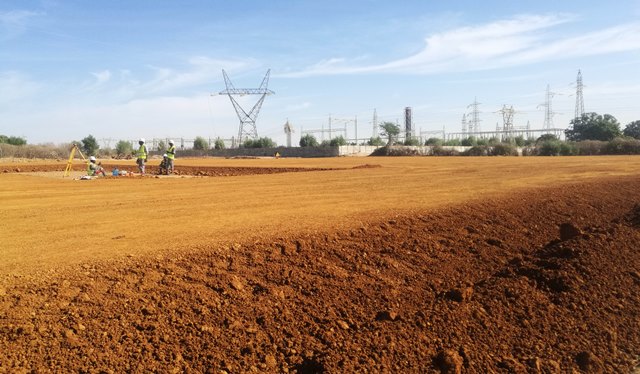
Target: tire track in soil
x=479 y=288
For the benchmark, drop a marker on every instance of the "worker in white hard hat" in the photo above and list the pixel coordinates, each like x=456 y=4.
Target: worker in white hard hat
x=94 y=169
x=171 y=155
x=164 y=165
x=142 y=155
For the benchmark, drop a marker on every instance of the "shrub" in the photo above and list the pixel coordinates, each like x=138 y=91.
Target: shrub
x=452 y=142
x=123 y=148
x=478 y=150
x=519 y=140
x=440 y=151
x=469 y=142
x=433 y=141
x=337 y=141
x=377 y=141
x=48 y=151
x=412 y=141
x=568 y=149
x=622 y=146
x=590 y=147
x=493 y=140
x=219 y=144
x=546 y=137
x=200 y=144
x=503 y=149
x=395 y=151
x=529 y=151
x=549 y=148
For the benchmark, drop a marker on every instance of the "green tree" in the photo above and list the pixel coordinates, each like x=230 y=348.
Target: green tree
x=308 y=140
x=259 y=143
x=433 y=141
x=13 y=140
x=89 y=146
x=520 y=141
x=469 y=142
x=219 y=144
x=389 y=130
x=452 y=142
x=549 y=148
x=123 y=148
x=632 y=130
x=412 y=141
x=547 y=138
x=162 y=146
x=337 y=141
x=592 y=126
x=375 y=141
x=200 y=144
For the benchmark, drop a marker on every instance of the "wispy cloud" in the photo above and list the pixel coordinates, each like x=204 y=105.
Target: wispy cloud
x=156 y=81
x=14 y=22
x=518 y=41
x=16 y=86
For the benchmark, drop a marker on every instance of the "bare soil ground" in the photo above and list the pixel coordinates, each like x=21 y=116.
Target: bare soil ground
x=514 y=277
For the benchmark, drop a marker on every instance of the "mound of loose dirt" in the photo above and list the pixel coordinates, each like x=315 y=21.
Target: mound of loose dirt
x=546 y=282
x=151 y=169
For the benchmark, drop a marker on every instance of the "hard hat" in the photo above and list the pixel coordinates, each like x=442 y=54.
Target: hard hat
x=92 y=158
x=141 y=140
x=164 y=155
x=170 y=141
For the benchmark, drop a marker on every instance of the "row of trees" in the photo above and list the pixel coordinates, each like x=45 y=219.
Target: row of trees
x=13 y=140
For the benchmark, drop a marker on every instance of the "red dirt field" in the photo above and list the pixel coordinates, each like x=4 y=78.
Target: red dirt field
x=535 y=280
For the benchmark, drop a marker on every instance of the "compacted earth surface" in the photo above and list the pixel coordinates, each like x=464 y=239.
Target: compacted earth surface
x=543 y=280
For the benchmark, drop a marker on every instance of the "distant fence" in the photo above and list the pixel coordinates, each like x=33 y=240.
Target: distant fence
x=325 y=151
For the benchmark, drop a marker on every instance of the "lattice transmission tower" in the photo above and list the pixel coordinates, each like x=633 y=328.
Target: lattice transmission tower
x=376 y=130
x=247 y=129
x=579 y=98
x=464 y=123
x=474 y=122
x=548 y=111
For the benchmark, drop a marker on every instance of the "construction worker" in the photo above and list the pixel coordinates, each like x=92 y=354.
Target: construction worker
x=171 y=155
x=94 y=169
x=142 y=155
x=164 y=165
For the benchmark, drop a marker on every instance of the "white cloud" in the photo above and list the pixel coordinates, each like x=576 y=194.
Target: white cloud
x=518 y=41
x=102 y=77
x=14 y=22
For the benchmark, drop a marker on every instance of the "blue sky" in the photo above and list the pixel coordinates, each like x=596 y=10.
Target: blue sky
x=130 y=69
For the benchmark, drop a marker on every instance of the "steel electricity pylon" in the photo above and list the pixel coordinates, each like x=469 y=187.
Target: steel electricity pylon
x=548 y=111
x=579 y=98
x=247 y=129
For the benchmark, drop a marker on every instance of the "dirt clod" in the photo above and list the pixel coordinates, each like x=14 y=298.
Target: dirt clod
x=588 y=362
x=460 y=294
x=386 y=315
x=569 y=231
x=449 y=362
